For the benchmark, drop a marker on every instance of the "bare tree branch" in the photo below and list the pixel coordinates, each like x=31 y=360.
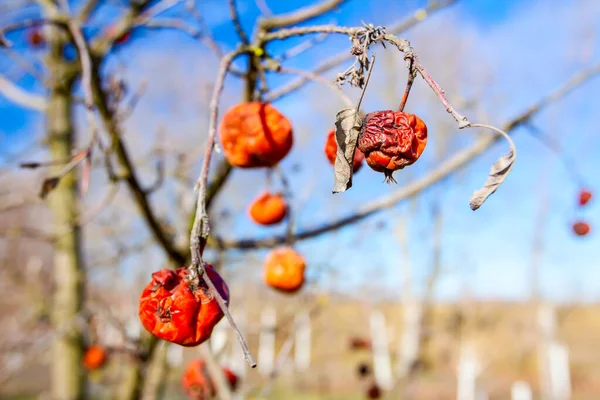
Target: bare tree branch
x=459 y=160
x=19 y=96
x=298 y=16
x=235 y=18
x=345 y=55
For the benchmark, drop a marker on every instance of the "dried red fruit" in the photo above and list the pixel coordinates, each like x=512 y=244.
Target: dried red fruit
x=284 y=270
x=268 y=209
x=581 y=228
x=196 y=381
x=197 y=384
x=255 y=135
x=35 y=37
x=391 y=140
x=94 y=357
x=172 y=311
x=331 y=151
x=359 y=343
x=584 y=197
x=373 y=392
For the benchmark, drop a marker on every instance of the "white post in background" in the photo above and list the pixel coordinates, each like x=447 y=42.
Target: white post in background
x=236 y=359
x=303 y=342
x=381 y=354
x=560 y=377
x=408 y=349
x=266 y=341
x=546 y=319
x=218 y=341
x=174 y=356
x=468 y=370
x=521 y=391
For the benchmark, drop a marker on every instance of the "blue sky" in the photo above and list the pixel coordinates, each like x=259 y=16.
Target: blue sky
x=506 y=55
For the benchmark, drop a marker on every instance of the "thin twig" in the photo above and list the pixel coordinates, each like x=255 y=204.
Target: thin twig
x=362 y=94
x=317 y=78
x=299 y=16
x=409 y=83
x=201 y=228
x=20 y=96
x=235 y=18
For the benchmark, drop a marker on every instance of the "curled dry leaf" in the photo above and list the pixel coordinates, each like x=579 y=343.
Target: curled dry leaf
x=347 y=125
x=497 y=175
x=499 y=170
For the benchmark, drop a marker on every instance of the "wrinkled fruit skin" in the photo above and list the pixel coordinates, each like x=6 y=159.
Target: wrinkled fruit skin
x=171 y=311
x=255 y=135
x=331 y=151
x=581 y=228
x=197 y=384
x=94 y=357
x=392 y=140
x=268 y=209
x=584 y=197
x=284 y=270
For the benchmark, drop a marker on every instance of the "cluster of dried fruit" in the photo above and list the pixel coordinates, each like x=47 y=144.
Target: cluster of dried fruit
x=197 y=383
x=582 y=228
x=257 y=135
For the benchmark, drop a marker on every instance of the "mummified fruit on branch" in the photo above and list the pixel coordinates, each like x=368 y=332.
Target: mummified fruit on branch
x=584 y=197
x=581 y=228
x=255 y=135
x=373 y=392
x=197 y=383
x=331 y=151
x=268 y=208
x=284 y=270
x=174 y=311
x=391 y=140
x=94 y=357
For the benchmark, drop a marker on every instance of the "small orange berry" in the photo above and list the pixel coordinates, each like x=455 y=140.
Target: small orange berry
x=268 y=209
x=284 y=270
x=581 y=228
x=94 y=357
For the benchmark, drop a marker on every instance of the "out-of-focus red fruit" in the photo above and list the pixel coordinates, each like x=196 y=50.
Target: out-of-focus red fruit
x=255 y=135
x=94 y=357
x=268 y=209
x=196 y=381
x=173 y=311
x=331 y=151
x=359 y=343
x=373 y=392
x=391 y=140
x=584 y=197
x=284 y=270
x=232 y=378
x=35 y=37
x=197 y=384
x=581 y=228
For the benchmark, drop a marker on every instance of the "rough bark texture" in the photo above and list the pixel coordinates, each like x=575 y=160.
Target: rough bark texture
x=67 y=301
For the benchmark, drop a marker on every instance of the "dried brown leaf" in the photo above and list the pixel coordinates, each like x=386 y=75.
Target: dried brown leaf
x=347 y=125
x=497 y=175
x=49 y=185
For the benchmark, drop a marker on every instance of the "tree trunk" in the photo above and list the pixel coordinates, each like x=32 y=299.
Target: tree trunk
x=67 y=373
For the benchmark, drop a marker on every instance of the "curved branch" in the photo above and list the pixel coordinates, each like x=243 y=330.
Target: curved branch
x=457 y=161
x=298 y=16
x=19 y=96
x=345 y=55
